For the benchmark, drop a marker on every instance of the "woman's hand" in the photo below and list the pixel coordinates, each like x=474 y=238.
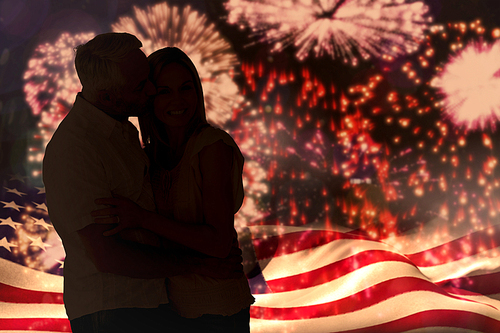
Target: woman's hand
x=123 y=211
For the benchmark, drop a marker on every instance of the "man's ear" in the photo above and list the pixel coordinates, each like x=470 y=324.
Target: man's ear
x=106 y=98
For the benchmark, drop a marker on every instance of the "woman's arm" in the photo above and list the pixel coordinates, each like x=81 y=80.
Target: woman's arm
x=215 y=236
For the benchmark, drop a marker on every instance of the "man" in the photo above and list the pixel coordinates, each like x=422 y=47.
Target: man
x=110 y=284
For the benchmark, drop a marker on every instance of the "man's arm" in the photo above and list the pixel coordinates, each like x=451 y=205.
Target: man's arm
x=116 y=256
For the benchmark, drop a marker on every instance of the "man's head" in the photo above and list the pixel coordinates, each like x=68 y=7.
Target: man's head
x=114 y=74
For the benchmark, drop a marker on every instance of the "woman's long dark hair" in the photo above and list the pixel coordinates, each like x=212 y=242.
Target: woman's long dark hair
x=152 y=129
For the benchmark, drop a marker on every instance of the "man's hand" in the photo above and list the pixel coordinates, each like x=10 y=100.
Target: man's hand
x=123 y=211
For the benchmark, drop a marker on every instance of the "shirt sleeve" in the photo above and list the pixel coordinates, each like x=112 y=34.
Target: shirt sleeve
x=209 y=136
x=74 y=177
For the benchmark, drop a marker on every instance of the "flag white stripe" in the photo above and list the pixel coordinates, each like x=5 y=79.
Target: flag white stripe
x=19 y=276
x=342 y=287
x=21 y=310
x=485 y=261
x=480 y=299
x=265 y=231
x=389 y=310
x=317 y=257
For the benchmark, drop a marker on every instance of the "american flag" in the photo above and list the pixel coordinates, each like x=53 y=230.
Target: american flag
x=31 y=260
x=311 y=278
x=319 y=280
x=303 y=126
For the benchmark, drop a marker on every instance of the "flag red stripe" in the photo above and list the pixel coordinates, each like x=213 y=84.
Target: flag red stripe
x=35 y=324
x=333 y=271
x=358 y=301
x=435 y=318
x=459 y=248
x=12 y=294
x=485 y=284
x=297 y=241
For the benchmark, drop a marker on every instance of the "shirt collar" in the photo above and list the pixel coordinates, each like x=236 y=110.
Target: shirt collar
x=98 y=119
x=129 y=131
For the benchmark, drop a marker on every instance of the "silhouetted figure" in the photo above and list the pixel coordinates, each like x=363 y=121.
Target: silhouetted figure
x=112 y=284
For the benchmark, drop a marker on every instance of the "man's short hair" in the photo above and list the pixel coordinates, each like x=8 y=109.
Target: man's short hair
x=97 y=61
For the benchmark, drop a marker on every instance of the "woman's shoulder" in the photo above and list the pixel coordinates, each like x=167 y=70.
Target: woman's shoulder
x=209 y=131
x=209 y=135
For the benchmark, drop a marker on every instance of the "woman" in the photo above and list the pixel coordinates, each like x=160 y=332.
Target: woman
x=196 y=174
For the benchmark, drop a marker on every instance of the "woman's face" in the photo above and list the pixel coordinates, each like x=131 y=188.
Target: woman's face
x=176 y=99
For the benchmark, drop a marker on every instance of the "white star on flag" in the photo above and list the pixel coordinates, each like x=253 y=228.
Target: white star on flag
x=5 y=243
x=41 y=222
x=12 y=205
x=38 y=242
x=41 y=206
x=41 y=190
x=8 y=221
x=15 y=191
x=61 y=262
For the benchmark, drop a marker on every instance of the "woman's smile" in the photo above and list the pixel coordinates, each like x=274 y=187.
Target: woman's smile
x=177 y=100
x=176 y=112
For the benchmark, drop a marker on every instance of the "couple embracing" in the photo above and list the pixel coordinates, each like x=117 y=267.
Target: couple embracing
x=148 y=232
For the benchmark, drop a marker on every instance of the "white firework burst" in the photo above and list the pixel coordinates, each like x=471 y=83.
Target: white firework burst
x=470 y=86
x=160 y=25
x=51 y=84
x=340 y=28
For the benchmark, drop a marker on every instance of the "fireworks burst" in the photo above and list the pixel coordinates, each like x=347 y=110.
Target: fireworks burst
x=342 y=29
x=51 y=80
x=314 y=144
x=159 y=26
x=51 y=84
x=470 y=84
x=368 y=156
x=461 y=64
x=434 y=166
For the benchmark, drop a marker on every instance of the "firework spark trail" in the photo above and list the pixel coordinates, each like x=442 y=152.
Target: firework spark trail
x=50 y=79
x=250 y=133
x=160 y=25
x=314 y=144
x=388 y=159
x=439 y=162
x=341 y=29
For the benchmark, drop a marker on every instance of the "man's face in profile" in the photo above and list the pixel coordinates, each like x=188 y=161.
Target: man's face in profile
x=132 y=97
